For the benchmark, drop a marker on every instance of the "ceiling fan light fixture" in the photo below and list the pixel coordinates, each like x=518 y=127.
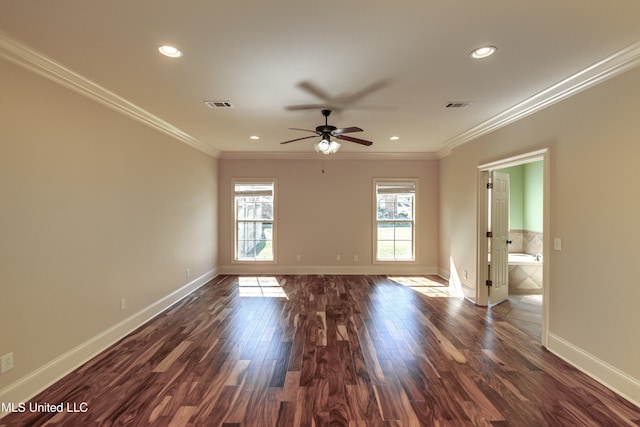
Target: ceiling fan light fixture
x=170 y=51
x=316 y=146
x=483 y=52
x=326 y=146
x=334 y=146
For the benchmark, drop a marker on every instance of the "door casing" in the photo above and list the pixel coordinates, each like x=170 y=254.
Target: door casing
x=482 y=245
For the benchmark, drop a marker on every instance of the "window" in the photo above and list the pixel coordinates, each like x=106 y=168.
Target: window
x=254 y=220
x=395 y=220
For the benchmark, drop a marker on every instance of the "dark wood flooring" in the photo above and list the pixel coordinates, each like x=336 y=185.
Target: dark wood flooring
x=329 y=351
x=524 y=311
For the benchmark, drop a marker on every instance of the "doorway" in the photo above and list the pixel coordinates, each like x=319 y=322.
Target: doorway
x=484 y=274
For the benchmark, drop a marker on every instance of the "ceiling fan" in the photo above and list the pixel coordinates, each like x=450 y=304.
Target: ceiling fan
x=338 y=102
x=326 y=145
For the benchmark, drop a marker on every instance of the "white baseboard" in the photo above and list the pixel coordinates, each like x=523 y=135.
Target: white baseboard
x=611 y=377
x=240 y=269
x=444 y=273
x=33 y=383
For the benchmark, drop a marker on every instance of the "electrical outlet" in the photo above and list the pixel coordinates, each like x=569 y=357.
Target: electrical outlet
x=6 y=363
x=123 y=304
x=465 y=275
x=355 y=258
x=188 y=272
x=337 y=257
x=298 y=258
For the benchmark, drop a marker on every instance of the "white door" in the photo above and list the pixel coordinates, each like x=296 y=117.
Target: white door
x=499 y=290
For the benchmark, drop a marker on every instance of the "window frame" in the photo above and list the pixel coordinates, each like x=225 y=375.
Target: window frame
x=413 y=221
x=234 y=220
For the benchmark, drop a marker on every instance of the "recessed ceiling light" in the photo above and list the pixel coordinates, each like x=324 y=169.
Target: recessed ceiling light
x=254 y=137
x=394 y=138
x=483 y=52
x=170 y=51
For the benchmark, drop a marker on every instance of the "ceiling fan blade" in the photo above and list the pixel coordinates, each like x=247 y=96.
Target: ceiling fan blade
x=345 y=130
x=305 y=130
x=305 y=107
x=355 y=97
x=356 y=140
x=314 y=90
x=298 y=139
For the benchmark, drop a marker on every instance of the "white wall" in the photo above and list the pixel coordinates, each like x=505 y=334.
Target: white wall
x=94 y=207
x=324 y=215
x=595 y=199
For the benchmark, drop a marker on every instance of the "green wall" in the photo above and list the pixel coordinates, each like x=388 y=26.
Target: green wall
x=533 y=195
x=516 y=196
x=525 y=196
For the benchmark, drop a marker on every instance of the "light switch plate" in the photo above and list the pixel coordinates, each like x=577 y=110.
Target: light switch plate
x=557 y=244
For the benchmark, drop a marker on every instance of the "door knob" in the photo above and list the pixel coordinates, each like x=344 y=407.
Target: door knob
x=509 y=242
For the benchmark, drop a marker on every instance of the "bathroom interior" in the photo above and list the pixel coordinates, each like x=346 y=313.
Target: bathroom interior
x=526 y=197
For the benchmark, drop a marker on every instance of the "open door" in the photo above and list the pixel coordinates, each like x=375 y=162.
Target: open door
x=484 y=244
x=499 y=268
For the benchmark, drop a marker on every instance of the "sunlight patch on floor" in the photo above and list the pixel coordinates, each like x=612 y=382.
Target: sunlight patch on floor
x=427 y=286
x=255 y=286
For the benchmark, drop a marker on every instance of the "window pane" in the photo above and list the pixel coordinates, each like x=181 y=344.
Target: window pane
x=245 y=249
x=385 y=231
x=267 y=230
x=244 y=209
x=404 y=207
x=244 y=230
x=385 y=206
x=403 y=250
x=385 y=250
x=263 y=210
x=403 y=231
x=264 y=249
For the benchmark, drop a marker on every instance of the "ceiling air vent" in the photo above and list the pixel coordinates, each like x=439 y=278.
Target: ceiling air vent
x=218 y=104
x=457 y=104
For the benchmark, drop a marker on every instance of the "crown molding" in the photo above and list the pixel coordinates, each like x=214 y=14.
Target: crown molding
x=444 y=152
x=605 y=69
x=341 y=155
x=36 y=62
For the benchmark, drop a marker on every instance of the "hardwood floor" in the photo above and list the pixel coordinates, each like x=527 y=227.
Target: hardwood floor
x=329 y=351
x=523 y=311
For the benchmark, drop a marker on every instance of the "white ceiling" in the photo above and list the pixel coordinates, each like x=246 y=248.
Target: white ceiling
x=411 y=57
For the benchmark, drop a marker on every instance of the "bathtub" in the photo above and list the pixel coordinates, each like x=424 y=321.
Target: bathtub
x=524 y=259
x=525 y=274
